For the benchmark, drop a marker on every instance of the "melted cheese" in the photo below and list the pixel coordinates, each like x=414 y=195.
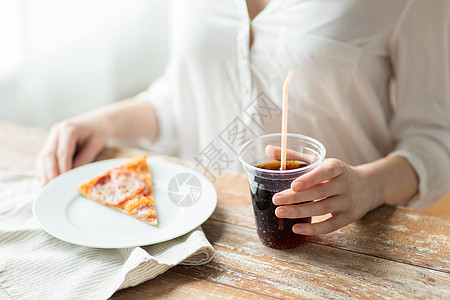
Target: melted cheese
x=120 y=186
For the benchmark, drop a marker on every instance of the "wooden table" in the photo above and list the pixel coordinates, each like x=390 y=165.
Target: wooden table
x=391 y=253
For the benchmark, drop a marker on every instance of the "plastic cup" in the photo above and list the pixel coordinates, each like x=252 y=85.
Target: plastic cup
x=277 y=232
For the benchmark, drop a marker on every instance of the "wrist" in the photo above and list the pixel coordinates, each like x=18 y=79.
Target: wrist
x=392 y=180
x=375 y=193
x=108 y=124
x=130 y=119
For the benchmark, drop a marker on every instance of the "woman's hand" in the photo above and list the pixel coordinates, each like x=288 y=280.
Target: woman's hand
x=334 y=188
x=346 y=192
x=77 y=141
x=71 y=143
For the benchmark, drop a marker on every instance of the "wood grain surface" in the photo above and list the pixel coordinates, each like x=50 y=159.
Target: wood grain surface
x=392 y=253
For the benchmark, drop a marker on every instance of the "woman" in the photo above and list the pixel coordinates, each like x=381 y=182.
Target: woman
x=387 y=143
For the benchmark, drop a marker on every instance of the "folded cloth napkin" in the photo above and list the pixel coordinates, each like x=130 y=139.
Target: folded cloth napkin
x=35 y=265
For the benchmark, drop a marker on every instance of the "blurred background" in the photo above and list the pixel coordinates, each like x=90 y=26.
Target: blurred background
x=61 y=58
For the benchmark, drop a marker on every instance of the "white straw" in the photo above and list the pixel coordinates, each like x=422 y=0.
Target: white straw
x=285 y=120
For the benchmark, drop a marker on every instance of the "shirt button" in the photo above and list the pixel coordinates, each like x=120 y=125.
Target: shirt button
x=244 y=90
x=243 y=55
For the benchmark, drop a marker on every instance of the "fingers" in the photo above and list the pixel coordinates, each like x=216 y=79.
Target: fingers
x=67 y=139
x=72 y=143
x=322 y=190
x=56 y=156
x=305 y=210
x=274 y=152
x=46 y=169
x=332 y=188
x=336 y=222
x=329 y=169
x=46 y=163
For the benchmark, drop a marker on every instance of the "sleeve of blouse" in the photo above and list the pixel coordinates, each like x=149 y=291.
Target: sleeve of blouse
x=159 y=96
x=420 y=50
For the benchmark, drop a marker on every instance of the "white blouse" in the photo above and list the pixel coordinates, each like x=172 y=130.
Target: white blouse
x=218 y=92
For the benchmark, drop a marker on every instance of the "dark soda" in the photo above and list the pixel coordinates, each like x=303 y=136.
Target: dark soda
x=275 y=232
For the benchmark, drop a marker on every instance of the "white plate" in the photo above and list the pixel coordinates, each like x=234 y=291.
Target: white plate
x=65 y=214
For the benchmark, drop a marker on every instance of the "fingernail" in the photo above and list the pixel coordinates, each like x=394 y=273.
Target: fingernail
x=282 y=212
x=277 y=199
x=297 y=186
x=298 y=229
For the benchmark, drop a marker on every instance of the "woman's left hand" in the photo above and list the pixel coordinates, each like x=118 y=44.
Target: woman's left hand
x=335 y=188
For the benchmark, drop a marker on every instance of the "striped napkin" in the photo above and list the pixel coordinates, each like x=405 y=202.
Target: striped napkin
x=35 y=265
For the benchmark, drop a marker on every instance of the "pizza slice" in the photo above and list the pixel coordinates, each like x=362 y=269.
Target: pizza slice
x=126 y=188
